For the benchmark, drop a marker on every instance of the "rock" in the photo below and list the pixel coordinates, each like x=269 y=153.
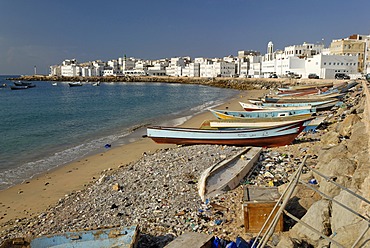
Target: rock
x=318 y=216
x=342 y=217
x=116 y=187
x=339 y=170
x=345 y=127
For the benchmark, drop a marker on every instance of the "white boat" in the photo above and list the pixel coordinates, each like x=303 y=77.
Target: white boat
x=74 y=84
x=227 y=174
x=96 y=83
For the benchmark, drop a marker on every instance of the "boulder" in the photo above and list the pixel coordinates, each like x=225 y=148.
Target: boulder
x=318 y=217
x=342 y=217
x=330 y=139
x=346 y=126
x=340 y=170
x=326 y=155
x=347 y=235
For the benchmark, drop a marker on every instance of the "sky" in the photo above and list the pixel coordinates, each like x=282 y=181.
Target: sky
x=42 y=33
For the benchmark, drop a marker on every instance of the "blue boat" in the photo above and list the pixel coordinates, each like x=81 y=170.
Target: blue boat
x=319 y=105
x=227 y=114
x=107 y=237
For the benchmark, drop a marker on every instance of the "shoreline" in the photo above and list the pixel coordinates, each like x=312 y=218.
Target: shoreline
x=33 y=196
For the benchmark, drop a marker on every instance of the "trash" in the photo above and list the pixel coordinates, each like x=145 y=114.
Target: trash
x=241 y=243
x=218 y=222
x=313 y=181
x=107 y=145
x=232 y=244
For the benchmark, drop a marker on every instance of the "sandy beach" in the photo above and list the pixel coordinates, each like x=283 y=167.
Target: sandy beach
x=35 y=195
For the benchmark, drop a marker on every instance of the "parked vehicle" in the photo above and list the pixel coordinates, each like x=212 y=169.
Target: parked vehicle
x=342 y=76
x=313 y=76
x=273 y=76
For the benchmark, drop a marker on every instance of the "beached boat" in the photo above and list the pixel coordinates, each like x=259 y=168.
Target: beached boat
x=307 y=86
x=227 y=114
x=104 y=237
x=258 y=107
x=264 y=137
x=315 y=123
x=227 y=174
x=75 y=84
x=252 y=123
x=316 y=100
x=299 y=92
x=319 y=105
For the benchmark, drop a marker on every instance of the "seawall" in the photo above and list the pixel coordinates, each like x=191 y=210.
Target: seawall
x=231 y=83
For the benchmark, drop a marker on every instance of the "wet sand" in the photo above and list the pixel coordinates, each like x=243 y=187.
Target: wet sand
x=36 y=195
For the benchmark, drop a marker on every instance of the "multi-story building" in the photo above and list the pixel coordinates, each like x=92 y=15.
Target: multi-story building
x=326 y=66
x=70 y=68
x=249 y=64
x=355 y=45
x=191 y=70
x=308 y=58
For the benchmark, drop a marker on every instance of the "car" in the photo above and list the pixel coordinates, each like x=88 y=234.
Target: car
x=341 y=76
x=273 y=76
x=313 y=76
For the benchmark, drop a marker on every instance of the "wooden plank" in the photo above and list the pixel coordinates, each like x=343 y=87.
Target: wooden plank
x=192 y=239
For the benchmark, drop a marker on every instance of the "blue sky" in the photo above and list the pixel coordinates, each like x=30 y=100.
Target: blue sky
x=45 y=32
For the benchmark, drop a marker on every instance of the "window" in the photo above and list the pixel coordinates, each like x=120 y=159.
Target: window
x=329 y=63
x=324 y=63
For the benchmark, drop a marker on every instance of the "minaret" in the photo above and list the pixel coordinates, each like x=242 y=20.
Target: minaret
x=270 y=51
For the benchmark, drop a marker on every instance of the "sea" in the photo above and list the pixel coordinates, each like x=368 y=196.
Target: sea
x=48 y=126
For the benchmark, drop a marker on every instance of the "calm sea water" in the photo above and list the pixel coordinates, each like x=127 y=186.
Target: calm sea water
x=48 y=126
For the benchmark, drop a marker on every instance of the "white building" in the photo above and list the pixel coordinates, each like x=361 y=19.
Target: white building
x=305 y=59
x=70 y=68
x=326 y=66
x=191 y=70
x=216 y=68
x=157 y=69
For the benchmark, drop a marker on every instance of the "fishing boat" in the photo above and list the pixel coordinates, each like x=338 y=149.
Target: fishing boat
x=15 y=87
x=263 y=137
x=319 y=105
x=307 y=86
x=315 y=100
x=75 y=84
x=227 y=114
x=21 y=83
x=252 y=123
x=227 y=174
x=104 y=237
x=304 y=92
x=258 y=107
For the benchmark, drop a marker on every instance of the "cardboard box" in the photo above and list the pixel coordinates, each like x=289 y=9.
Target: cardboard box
x=258 y=202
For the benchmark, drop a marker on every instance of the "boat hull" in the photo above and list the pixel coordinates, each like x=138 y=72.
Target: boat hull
x=113 y=237
x=242 y=115
x=227 y=174
x=264 y=137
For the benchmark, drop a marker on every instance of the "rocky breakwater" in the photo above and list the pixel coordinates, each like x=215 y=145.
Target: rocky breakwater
x=231 y=83
x=342 y=156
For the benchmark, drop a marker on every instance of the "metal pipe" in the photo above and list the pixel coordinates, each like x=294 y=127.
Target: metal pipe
x=337 y=184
